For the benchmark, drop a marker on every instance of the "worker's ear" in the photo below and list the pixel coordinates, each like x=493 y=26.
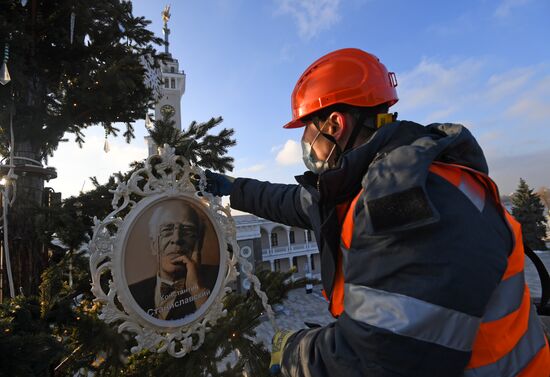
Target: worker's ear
x=337 y=125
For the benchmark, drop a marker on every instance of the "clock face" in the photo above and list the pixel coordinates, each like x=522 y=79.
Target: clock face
x=167 y=110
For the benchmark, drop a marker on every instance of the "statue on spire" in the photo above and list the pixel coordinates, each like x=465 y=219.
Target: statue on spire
x=165 y=18
x=166 y=15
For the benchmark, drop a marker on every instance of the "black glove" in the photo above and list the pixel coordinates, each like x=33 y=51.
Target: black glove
x=218 y=184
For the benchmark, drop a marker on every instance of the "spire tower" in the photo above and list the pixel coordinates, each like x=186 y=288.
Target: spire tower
x=173 y=85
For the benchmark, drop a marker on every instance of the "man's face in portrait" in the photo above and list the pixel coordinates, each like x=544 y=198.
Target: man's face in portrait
x=177 y=240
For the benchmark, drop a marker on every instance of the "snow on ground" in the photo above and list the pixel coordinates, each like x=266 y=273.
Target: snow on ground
x=531 y=274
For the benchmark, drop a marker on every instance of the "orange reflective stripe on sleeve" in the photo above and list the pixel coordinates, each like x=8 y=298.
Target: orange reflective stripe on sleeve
x=345 y=217
x=508 y=330
x=539 y=366
x=336 y=305
x=516 y=260
x=466 y=182
x=348 y=224
x=450 y=173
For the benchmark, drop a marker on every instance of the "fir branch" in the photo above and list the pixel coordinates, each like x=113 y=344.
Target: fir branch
x=129 y=133
x=195 y=143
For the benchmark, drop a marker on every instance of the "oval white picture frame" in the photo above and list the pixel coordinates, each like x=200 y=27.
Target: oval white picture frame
x=164 y=177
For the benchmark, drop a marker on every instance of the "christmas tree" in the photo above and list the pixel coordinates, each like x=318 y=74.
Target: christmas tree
x=71 y=65
x=62 y=325
x=529 y=211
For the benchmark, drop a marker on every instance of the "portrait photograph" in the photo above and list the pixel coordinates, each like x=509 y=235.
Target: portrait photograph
x=172 y=259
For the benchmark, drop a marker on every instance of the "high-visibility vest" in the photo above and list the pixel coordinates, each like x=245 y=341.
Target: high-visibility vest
x=504 y=338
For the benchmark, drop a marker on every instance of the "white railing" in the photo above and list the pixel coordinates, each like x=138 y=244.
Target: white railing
x=279 y=249
x=293 y=248
x=303 y=246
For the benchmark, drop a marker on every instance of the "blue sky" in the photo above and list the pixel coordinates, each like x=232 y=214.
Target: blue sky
x=482 y=63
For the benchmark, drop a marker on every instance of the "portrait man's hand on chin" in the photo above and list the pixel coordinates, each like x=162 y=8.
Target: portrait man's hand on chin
x=179 y=256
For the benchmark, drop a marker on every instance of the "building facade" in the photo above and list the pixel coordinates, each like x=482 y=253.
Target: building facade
x=276 y=247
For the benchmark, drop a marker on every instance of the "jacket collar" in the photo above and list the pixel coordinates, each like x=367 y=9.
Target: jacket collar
x=342 y=183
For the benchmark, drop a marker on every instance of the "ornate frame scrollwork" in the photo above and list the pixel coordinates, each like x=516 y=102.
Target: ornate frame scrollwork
x=166 y=176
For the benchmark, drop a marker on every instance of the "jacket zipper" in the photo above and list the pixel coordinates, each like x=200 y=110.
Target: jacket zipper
x=319 y=184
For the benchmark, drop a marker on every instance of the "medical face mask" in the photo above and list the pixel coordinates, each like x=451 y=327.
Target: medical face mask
x=312 y=163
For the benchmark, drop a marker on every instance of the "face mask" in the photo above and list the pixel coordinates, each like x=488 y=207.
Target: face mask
x=312 y=163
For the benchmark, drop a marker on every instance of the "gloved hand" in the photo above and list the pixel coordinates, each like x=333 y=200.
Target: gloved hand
x=218 y=184
x=278 y=344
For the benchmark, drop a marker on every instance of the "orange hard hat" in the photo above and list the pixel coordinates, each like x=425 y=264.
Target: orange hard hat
x=349 y=76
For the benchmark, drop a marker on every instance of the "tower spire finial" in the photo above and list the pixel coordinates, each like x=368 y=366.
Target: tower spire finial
x=166 y=15
x=165 y=18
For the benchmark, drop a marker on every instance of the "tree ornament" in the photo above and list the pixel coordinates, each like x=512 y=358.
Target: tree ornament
x=106 y=147
x=152 y=75
x=73 y=18
x=4 y=73
x=148 y=123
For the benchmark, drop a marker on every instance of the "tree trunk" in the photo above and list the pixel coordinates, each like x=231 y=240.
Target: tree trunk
x=28 y=254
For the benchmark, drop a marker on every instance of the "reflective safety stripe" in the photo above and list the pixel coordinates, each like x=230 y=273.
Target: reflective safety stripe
x=506 y=298
x=336 y=304
x=496 y=339
x=464 y=181
x=539 y=365
x=345 y=217
x=519 y=357
x=473 y=191
x=516 y=260
x=348 y=223
x=411 y=317
x=452 y=173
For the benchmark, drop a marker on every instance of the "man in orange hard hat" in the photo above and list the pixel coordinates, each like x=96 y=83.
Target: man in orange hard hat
x=420 y=262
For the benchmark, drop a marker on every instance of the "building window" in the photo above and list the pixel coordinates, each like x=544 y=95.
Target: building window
x=274 y=239
x=295 y=264
x=173 y=83
x=312 y=262
x=172 y=69
x=291 y=237
x=277 y=265
x=166 y=83
x=308 y=233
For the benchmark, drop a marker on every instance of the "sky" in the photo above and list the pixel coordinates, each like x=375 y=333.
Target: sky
x=482 y=63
